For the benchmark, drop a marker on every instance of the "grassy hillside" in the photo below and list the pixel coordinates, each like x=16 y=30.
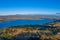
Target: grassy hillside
x=31 y=32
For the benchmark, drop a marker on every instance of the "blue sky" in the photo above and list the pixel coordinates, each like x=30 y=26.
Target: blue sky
x=12 y=7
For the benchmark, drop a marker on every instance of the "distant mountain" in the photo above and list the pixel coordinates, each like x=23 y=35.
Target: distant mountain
x=18 y=16
x=57 y=13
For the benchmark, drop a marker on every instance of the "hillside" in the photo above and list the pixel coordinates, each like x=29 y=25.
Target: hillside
x=29 y=32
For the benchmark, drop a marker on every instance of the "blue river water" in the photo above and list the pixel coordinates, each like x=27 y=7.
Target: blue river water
x=24 y=22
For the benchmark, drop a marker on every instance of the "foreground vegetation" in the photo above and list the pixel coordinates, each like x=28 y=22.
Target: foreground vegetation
x=49 y=31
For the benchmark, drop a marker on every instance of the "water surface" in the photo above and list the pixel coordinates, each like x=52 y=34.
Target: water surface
x=23 y=22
